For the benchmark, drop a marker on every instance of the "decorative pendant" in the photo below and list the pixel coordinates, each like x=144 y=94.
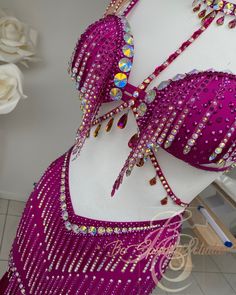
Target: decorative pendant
x=220 y=21
x=133 y=140
x=109 y=125
x=95 y=134
x=164 y=201
x=153 y=181
x=123 y=121
x=197 y=8
x=202 y=13
x=232 y=24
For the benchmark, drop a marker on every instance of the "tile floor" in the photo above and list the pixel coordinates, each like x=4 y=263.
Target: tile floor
x=211 y=275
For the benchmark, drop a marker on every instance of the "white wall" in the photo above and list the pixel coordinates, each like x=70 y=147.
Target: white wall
x=43 y=126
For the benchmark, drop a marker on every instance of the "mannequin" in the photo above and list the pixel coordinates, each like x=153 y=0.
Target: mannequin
x=92 y=174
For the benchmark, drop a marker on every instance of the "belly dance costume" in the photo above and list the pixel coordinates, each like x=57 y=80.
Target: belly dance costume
x=192 y=116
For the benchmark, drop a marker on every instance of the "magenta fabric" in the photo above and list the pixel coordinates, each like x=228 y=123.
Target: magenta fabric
x=49 y=257
x=193 y=115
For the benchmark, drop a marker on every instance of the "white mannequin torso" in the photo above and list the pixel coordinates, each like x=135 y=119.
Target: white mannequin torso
x=92 y=174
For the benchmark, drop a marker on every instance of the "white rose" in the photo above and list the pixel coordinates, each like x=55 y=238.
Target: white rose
x=10 y=87
x=17 y=40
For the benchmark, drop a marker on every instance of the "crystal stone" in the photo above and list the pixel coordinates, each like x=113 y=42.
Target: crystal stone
x=150 y=96
x=92 y=230
x=129 y=39
x=115 y=94
x=120 y=80
x=68 y=225
x=75 y=228
x=83 y=229
x=128 y=50
x=101 y=230
x=142 y=108
x=218 y=4
x=64 y=215
x=228 y=8
x=163 y=84
x=125 y=64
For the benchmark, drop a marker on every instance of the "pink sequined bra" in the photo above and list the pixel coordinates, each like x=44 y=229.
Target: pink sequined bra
x=192 y=116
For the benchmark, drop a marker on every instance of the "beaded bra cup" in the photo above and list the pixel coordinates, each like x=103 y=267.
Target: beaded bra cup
x=191 y=116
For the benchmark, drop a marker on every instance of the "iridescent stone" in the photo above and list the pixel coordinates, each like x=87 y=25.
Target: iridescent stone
x=62 y=197
x=120 y=80
x=187 y=149
x=209 y=2
x=129 y=39
x=109 y=230
x=75 y=228
x=218 y=150
x=64 y=215
x=128 y=50
x=92 y=230
x=127 y=27
x=63 y=206
x=117 y=230
x=101 y=230
x=218 y=4
x=83 y=229
x=124 y=230
x=163 y=84
x=125 y=64
x=150 y=96
x=228 y=8
x=136 y=94
x=191 y=142
x=212 y=157
x=68 y=225
x=116 y=94
x=142 y=108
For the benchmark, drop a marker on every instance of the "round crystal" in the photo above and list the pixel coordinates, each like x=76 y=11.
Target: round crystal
x=229 y=7
x=218 y=4
x=68 y=225
x=83 y=229
x=129 y=39
x=150 y=96
x=125 y=64
x=101 y=230
x=109 y=230
x=65 y=215
x=75 y=228
x=120 y=80
x=116 y=94
x=92 y=230
x=128 y=50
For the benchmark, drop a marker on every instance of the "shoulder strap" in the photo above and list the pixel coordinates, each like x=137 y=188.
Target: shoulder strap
x=117 y=6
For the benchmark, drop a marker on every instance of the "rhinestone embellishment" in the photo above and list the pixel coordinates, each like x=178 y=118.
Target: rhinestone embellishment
x=120 y=80
x=125 y=64
x=116 y=94
x=128 y=50
x=91 y=230
x=150 y=96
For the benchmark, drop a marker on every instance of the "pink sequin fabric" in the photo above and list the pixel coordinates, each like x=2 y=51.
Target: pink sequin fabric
x=58 y=252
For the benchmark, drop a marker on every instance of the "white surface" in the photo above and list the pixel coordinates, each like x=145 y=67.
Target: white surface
x=42 y=127
x=159 y=28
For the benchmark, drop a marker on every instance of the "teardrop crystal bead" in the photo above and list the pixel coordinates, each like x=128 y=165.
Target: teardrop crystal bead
x=133 y=140
x=123 y=121
x=109 y=125
x=95 y=134
x=232 y=24
x=220 y=21
x=202 y=13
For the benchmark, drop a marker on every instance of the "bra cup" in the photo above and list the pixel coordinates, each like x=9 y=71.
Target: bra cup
x=99 y=69
x=196 y=118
